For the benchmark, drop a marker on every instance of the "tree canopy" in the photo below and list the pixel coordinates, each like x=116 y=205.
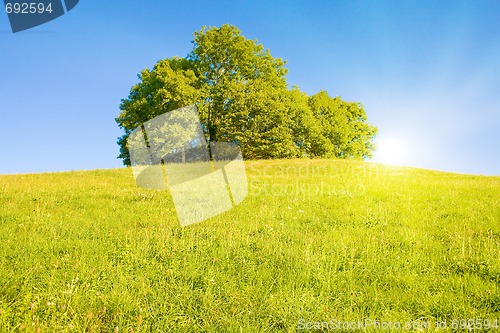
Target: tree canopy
x=242 y=96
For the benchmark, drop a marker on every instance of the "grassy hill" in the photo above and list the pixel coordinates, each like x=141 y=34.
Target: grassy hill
x=314 y=241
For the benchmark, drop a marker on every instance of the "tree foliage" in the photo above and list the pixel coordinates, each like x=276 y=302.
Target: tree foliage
x=243 y=97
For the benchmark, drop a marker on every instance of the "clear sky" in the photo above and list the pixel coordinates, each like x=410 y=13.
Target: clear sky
x=427 y=72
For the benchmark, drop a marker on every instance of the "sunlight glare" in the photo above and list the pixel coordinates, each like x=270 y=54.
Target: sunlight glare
x=391 y=151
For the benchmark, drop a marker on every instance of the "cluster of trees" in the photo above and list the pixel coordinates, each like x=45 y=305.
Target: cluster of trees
x=242 y=96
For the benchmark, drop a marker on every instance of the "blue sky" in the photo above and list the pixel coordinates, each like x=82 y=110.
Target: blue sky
x=427 y=72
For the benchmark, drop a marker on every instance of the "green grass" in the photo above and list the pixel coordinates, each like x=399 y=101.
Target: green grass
x=314 y=240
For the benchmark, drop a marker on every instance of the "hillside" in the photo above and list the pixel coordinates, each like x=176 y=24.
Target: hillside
x=314 y=241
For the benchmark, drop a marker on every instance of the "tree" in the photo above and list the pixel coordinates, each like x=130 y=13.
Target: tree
x=242 y=87
x=305 y=127
x=344 y=125
x=170 y=85
x=243 y=97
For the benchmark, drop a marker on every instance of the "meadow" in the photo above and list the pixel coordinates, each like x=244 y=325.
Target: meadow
x=315 y=241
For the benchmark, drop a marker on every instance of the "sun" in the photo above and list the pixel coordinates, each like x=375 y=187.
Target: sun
x=391 y=151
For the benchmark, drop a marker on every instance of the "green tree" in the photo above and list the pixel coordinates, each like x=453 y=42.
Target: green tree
x=170 y=85
x=305 y=127
x=243 y=97
x=344 y=125
x=242 y=87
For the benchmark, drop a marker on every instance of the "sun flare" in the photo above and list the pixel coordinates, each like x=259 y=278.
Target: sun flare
x=391 y=151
